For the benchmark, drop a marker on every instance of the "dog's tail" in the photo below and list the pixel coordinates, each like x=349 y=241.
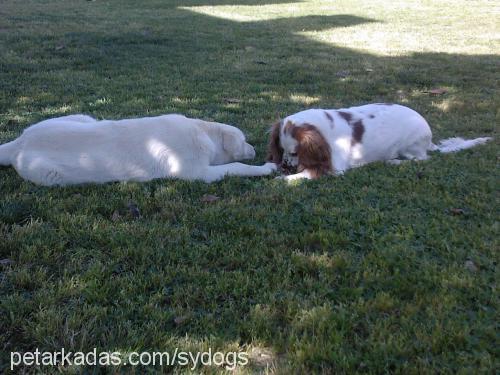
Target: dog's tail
x=457 y=144
x=7 y=151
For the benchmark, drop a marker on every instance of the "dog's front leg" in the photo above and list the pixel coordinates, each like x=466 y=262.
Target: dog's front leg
x=297 y=176
x=218 y=172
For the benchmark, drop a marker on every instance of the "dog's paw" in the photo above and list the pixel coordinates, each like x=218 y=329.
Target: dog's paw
x=287 y=178
x=295 y=177
x=270 y=167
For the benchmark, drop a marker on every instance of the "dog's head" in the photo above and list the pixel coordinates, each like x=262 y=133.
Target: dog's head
x=299 y=147
x=234 y=146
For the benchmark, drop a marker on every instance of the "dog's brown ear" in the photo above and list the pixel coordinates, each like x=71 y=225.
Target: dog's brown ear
x=313 y=151
x=274 y=149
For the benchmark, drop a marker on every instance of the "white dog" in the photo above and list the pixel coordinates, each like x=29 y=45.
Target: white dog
x=79 y=149
x=319 y=142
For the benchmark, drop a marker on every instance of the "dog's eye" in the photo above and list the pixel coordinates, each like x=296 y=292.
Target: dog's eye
x=293 y=154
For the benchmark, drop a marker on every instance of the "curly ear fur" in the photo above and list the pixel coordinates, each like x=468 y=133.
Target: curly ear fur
x=274 y=149
x=313 y=150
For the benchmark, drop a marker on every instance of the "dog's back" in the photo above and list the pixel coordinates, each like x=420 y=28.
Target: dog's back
x=70 y=152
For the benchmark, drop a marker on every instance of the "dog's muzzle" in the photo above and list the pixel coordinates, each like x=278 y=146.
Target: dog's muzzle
x=287 y=168
x=249 y=151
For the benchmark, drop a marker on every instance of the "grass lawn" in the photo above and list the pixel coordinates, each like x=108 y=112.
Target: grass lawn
x=386 y=269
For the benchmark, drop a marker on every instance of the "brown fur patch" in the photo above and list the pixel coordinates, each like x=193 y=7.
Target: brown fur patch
x=313 y=150
x=345 y=115
x=330 y=118
x=274 y=149
x=358 y=130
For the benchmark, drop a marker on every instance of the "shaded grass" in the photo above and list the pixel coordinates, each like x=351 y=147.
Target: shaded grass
x=367 y=272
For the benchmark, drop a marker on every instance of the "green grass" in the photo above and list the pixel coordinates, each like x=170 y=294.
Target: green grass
x=375 y=271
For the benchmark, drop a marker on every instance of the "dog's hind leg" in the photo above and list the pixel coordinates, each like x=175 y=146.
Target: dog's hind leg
x=416 y=151
x=41 y=171
x=413 y=153
x=407 y=158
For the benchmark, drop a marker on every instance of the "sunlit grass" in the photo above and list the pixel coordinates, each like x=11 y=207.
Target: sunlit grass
x=400 y=27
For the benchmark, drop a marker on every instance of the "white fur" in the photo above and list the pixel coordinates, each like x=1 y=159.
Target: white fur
x=79 y=149
x=457 y=144
x=391 y=133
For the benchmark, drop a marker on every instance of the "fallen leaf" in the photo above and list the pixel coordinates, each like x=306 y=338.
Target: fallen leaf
x=134 y=210
x=232 y=100
x=116 y=216
x=457 y=211
x=5 y=262
x=199 y=235
x=343 y=73
x=471 y=266
x=178 y=320
x=437 y=91
x=60 y=47
x=262 y=357
x=209 y=198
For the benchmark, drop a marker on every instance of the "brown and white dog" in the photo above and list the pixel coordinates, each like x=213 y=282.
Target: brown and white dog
x=319 y=142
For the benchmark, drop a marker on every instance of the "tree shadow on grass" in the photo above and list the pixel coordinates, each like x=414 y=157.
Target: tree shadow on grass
x=227 y=59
